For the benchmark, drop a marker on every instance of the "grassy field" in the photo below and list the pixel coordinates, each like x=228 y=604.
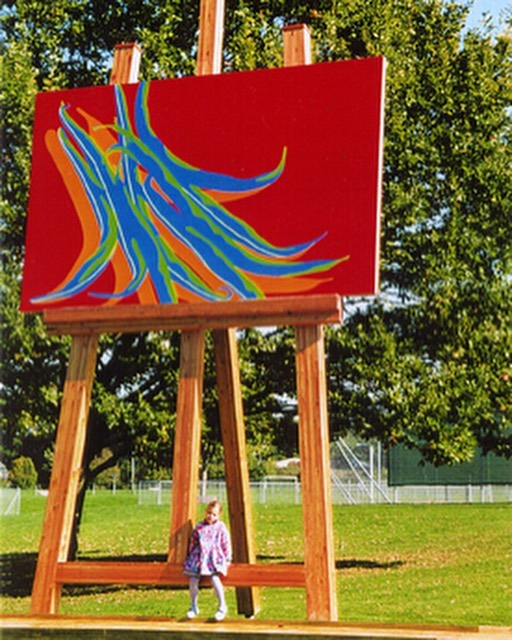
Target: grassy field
x=440 y=564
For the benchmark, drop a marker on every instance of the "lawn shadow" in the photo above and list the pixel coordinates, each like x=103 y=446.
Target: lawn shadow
x=352 y=563
x=348 y=563
x=17 y=574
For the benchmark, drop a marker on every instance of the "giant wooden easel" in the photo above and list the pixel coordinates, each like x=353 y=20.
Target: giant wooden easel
x=84 y=325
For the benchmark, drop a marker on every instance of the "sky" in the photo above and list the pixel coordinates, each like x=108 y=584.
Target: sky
x=493 y=7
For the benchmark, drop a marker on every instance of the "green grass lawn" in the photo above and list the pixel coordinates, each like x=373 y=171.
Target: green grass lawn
x=439 y=564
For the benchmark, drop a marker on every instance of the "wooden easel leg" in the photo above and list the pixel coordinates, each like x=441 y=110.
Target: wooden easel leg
x=187 y=444
x=319 y=558
x=235 y=461
x=67 y=465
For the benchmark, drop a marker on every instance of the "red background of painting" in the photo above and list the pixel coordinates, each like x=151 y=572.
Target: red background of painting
x=329 y=116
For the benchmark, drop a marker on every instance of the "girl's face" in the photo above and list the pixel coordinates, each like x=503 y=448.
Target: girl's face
x=212 y=514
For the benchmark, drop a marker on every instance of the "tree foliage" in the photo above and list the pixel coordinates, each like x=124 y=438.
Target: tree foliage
x=428 y=362
x=23 y=473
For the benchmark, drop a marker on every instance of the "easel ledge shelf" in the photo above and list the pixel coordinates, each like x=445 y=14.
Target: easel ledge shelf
x=296 y=311
x=166 y=573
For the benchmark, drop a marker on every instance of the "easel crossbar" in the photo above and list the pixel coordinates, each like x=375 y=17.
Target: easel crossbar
x=164 y=573
x=285 y=311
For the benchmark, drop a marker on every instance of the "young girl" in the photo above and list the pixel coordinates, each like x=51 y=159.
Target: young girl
x=209 y=554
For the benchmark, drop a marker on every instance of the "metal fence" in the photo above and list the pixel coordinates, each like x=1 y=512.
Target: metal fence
x=10 y=501
x=270 y=490
x=273 y=490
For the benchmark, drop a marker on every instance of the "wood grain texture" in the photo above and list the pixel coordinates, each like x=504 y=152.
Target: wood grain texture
x=187 y=444
x=126 y=64
x=297 y=45
x=164 y=573
x=321 y=600
x=74 y=627
x=211 y=32
x=65 y=477
x=285 y=311
x=235 y=461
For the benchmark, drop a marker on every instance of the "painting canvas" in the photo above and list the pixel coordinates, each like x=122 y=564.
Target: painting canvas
x=229 y=187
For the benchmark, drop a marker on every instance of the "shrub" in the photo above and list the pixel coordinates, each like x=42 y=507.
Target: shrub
x=23 y=473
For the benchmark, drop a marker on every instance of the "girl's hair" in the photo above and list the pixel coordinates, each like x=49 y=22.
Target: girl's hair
x=213 y=504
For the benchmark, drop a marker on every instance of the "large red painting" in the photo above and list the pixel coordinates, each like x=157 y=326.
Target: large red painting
x=227 y=187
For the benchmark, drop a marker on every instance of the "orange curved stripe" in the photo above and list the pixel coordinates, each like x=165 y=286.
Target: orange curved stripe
x=184 y=295
x=229 y=196
x=146 y=292
x=122 y=274
x=296 y=284
x=87 y=219
x=102 y=136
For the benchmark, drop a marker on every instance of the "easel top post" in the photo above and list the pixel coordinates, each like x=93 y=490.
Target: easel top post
x=126 y=64
x=296 y=45
x=211 y=32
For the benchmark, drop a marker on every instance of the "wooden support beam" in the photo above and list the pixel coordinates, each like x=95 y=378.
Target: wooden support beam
x=187 y=443
x=67 y=467
x=211 y=34
x=85 y=627
x=235 y=461
x=286 y=311
x=296 y=45
x=164 y=573
x=126 y=64
x=321 y=601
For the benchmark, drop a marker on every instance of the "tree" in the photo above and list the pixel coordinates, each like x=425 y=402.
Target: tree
x=426 y=363
x=31 y=362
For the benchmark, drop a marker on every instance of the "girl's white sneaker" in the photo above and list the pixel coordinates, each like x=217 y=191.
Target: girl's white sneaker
x=220 y=615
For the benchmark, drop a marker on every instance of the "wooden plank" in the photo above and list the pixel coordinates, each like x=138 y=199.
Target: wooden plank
x=126 y=63
x=296 y=45
x=315 y=475
x=74 y=627
x=320 y=309
x=164 y=573
x=187 y=444
x=211 y=32
x=67 y=466
x=235 y=461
